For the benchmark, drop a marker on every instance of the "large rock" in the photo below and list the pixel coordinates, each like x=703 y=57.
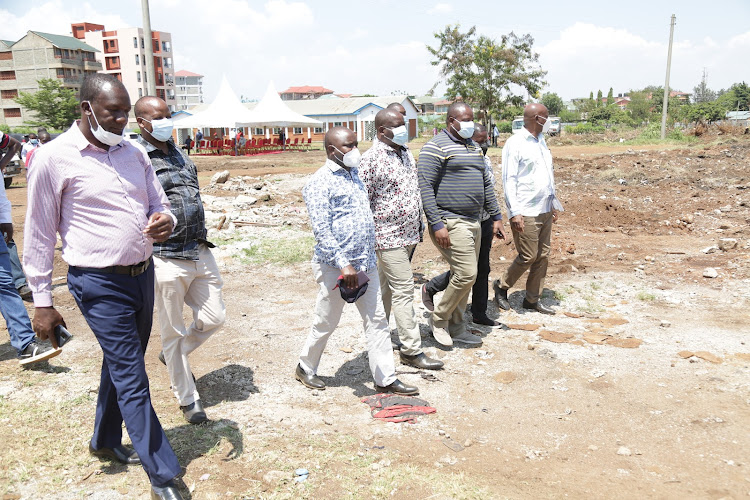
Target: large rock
x=220 y=177
x=244 y=200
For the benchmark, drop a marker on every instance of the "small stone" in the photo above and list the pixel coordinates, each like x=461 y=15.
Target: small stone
x=220 y=177
x=610 y=229
x=204 y=477
x=274 y=477
x=710 y=272
x=687 y=218
x=441 y=432
x=726 y=244
x=468 y=443
x=265 y=197
x=623 y=451
x=593 y=447
x=665 y=324
x=710 y=249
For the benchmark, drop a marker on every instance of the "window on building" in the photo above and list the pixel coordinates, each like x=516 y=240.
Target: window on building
x=258 y=131
x=9 y=94
x=165 y=46
x=275 y=130
x=318 y=130
x=159 y=79
x=297 y=130
x=140 y=92
x=143 y=46
x=12 y=112
x=138 y=76
x=60 y=73
x=338 y=124
x=135 y=42
x=137 y=60
x=6 y=56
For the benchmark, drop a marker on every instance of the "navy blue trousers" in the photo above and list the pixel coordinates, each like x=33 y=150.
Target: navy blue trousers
x=119 y=310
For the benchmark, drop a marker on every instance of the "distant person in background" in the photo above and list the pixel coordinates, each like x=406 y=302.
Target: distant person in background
x=198 y=139
x=529 y=185
x=479 y=292
x=44 y=138
x=495 y=135
x=282 y=138
x=29 y=146
x=188 y=143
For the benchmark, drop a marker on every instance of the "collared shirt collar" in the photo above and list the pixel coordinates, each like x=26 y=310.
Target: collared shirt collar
x=333 y=166
x=528 y=134
x=459 y=139
x=81 y=142
x=148 y=146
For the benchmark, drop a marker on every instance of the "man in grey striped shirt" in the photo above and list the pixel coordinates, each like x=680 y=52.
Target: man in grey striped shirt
x=455 y=188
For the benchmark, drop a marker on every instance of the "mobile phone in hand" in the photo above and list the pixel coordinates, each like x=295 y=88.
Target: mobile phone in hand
x=62 y=335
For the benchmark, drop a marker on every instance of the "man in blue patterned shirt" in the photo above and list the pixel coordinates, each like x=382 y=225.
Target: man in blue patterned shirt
x=185 y=269
x=344 y=233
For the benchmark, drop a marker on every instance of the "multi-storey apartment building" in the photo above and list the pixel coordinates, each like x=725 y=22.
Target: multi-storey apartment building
x=123 y=54
x=36 y=56
x=188 y=89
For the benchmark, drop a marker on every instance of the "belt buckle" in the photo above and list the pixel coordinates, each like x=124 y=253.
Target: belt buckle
x=137 y=270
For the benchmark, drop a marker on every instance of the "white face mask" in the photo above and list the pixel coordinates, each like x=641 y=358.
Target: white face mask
x=400 y=135
x=162 y=129
x=467 y=129
x=350 y=159
x=102 y=135
x=546 y=126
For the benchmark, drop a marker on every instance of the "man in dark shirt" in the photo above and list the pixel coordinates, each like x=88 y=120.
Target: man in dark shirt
x=455 y=187
x=186 y=272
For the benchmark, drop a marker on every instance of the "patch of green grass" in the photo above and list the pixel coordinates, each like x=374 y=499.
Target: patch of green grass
x=646 y=296
x=595 y=285
x=220 y=242
x=279 y=251
x=591 y=305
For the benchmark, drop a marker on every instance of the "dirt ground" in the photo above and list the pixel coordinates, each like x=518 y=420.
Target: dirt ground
x=638 y=388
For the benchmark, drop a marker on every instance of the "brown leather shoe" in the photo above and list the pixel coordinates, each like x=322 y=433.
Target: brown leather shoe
x=421 y=361
x=311 y=381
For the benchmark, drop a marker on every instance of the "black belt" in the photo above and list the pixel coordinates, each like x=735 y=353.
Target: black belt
x=134 y=270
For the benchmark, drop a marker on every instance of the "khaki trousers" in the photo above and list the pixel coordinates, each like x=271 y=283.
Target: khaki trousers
x=328 y=309
x=462 y=258
x=397 y=290
x=198 y=284
x=533 y=247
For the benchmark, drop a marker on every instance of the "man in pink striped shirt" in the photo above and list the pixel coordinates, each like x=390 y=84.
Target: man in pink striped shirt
x=101 y=195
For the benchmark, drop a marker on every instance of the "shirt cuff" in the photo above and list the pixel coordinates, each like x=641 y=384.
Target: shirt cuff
x=513 y=213
x=341 y=261
x=438 y=226
x=174 y=219
x=42 y=299
x=497 y=217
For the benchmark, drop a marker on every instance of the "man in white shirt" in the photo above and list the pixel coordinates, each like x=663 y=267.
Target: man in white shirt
x=529 y=185
x=29 y=146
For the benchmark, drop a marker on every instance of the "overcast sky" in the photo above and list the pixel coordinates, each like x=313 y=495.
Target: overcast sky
x=378 y=46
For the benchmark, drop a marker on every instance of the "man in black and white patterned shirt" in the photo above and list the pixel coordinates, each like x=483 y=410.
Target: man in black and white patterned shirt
x=185 y=269
x=389 y=173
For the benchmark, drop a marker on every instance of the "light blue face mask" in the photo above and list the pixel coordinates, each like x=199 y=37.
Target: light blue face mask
x=162 y=129
x=34 y=141
x=467 y=129
x=400 y=135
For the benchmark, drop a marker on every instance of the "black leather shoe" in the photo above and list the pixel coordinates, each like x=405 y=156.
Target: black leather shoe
x=427 y=299
x=398 y=387
x=194 y=412
x=501 y=295
x=311 y=381
x=122 y=454
x=485 y=321
x=166 y=492
x=538 y=307
x=421 y=361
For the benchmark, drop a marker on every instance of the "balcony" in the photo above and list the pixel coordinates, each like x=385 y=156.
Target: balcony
x=70 y=80
x=92 y=65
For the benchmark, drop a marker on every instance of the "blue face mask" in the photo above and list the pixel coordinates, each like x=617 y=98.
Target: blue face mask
x=34 y=141
x=400 y=135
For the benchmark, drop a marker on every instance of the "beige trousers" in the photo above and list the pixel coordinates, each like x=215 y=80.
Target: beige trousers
x=198 y=284
x=397 y=290
x=462 y=258
x=328 y=309
x=533 y=246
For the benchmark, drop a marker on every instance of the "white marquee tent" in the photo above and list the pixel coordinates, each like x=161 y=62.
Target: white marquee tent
x=272 y=112
x=225 y=111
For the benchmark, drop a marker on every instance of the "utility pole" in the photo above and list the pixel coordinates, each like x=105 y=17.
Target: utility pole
x=149 y=46
x=666 y=84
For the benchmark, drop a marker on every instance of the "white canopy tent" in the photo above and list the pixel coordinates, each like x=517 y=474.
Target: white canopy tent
x=225 y=111
x=272 y=112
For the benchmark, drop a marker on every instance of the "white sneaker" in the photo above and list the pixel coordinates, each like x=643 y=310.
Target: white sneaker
x=468 y=338
x=442 y=336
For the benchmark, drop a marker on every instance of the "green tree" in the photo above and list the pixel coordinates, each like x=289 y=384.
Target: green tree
x=486 y=73
x=702 y=112
x=702 y=93
x=610 y=97
x=54 y=106
x=567 y=116
x=639 y=107
x=737 y=97
x=598 y=98
x=554 y=103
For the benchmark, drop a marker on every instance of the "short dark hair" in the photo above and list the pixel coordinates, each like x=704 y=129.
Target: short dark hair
x=94 y=83
x=478 y=127
x=456 y=108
